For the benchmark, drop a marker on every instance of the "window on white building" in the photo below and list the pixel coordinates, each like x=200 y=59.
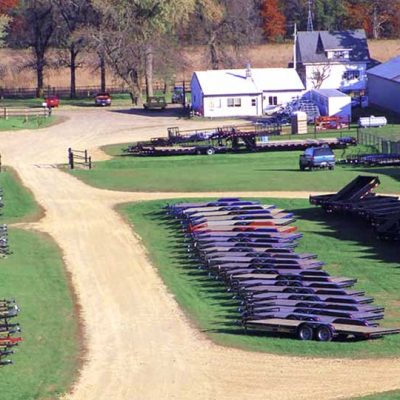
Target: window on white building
x=214 y=103
x=234 y=102
x=351 y=75
x=273 y=100
x=253 y=102
x=338 y=54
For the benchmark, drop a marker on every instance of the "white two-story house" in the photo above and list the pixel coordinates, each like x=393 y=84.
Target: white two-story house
x=333 y=60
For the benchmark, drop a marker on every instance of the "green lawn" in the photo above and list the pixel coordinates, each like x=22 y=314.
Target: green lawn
x=348 y=249
x=45 y=363
x=19 y=202
x=18 y=123
x=226 y=172
x=395 y=395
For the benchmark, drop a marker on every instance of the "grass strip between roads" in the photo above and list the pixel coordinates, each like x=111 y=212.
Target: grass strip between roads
x=273 y=171
x=347 y=247
x=45 y=362
x=18 y=123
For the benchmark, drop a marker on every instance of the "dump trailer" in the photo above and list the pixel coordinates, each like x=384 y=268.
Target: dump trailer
x=382 y=212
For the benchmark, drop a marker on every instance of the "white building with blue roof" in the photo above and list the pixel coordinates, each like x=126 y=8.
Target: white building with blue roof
x=333 y=60
x=243 y=92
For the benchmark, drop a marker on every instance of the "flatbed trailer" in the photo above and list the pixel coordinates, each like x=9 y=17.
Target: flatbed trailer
x=251 y=235
x=310 y=297
x=324 y=316
x=226 y=213
x=252 y=222
x=315 y=330
x=281 y=280
x=281 y=255
x=269 y=287
x=242 y=217
x=313 y=304
x=278 y=262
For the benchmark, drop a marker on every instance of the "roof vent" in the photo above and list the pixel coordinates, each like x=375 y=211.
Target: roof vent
x=248 y=71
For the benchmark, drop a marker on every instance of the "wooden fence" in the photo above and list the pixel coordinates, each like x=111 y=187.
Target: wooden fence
x=87 y=91
x=7 y=112
x=79 y=158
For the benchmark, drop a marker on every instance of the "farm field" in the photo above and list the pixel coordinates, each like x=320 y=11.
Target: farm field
x=45 y=362
x=347 y=248
x=269 y=171
x=264 y=55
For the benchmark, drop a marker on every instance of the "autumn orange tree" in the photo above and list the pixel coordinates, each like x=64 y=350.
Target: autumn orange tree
x=273 y=20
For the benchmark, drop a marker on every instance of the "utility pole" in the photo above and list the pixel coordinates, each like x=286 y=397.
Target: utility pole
x=294 y=46
x=310 y=25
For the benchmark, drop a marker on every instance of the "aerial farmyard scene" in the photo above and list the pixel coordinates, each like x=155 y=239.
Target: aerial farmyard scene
x=199 y=199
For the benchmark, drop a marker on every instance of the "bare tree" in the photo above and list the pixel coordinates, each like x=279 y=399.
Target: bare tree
x=74 y=14
x=225 y=28
x=136 y=32
x=320 y=74
x=36 y=32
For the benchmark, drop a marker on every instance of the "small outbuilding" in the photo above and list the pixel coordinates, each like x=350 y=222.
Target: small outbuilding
x=384 y=85
x=332 y=103
x=243 y=92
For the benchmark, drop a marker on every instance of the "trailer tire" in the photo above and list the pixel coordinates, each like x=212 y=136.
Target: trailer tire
x=305 y=332
x=324 y=334
x=210 y=151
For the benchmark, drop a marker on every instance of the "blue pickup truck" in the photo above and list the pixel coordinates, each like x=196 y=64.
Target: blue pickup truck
x=317 y=157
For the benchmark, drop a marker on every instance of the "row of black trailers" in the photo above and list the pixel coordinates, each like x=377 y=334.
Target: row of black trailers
x=357 y=199
x=226 y=139
x=250 y=247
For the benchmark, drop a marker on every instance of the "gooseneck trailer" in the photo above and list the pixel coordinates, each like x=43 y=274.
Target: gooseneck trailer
x=250 y=248
x=227 y=139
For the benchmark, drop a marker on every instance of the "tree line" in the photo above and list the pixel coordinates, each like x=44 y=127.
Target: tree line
x=140 y=39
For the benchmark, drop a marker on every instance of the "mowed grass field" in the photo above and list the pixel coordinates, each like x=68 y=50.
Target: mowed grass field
x=18 y=123
x=269 y=171
x=347 y=247
x=45 y=363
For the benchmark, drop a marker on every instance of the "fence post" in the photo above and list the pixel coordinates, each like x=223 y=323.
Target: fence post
x=5 y=113
x=0 y=162
x=86 y=157
x=70 y=158
x=90 y=162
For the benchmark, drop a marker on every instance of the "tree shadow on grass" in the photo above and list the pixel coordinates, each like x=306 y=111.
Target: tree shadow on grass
x=351 y=228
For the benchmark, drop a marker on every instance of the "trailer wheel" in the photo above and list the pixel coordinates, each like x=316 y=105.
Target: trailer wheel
x=210 y=151
x=324 y=334
x=305 y=332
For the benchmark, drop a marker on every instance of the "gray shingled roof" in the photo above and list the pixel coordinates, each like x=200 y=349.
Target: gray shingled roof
x=308 y=45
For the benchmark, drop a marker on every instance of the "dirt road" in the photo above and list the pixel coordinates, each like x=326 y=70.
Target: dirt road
x=140 y=345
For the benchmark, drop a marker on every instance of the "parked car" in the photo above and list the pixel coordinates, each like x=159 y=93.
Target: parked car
x=102 y=99
x=155 y=103
x=317 y=157
x=51 y=101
